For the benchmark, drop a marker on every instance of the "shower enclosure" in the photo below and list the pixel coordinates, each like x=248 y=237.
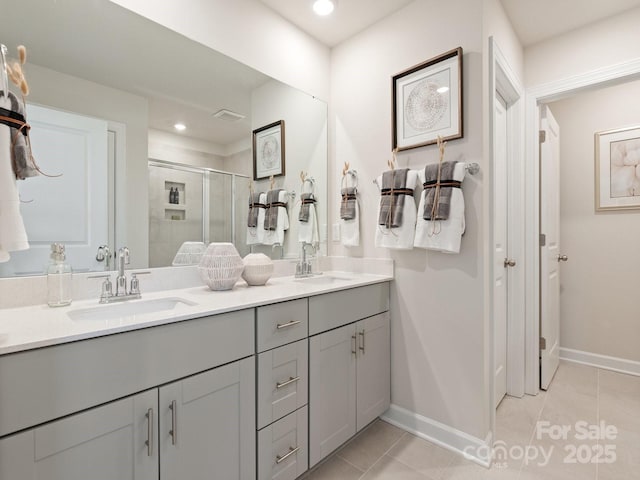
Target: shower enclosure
x=209 y=206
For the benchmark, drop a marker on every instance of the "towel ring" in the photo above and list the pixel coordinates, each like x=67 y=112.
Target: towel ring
x=311 y=182
x=354 y=175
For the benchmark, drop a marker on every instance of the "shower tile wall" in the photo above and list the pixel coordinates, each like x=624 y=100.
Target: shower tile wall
x=170 y=225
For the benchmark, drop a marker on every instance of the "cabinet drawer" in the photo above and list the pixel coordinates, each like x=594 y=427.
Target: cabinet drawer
x=282 y=381
x=281 y=323
x=282 y=448
x=335 y=309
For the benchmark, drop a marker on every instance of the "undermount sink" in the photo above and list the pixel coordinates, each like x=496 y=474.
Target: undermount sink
x=128 y=309
x=323 y=279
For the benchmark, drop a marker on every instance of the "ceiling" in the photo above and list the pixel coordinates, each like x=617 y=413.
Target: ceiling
x=538 y=20
x=533 y=20
x=349 y=17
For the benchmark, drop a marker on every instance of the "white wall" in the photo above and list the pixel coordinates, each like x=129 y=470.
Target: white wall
x=73 y=94
x=438 y=326
x=599 y=282
x=184 y=150
x=609 y=42
x=250 y=32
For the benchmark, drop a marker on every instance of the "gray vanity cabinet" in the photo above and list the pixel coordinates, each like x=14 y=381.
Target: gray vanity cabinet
x=349 y=366
x=282 y=366
x=118 y=440
x=207 y=425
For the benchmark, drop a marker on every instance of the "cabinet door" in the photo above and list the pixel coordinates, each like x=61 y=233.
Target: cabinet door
x=373 y=375
x=332 y=399
x=207 y=425
x=104 y=443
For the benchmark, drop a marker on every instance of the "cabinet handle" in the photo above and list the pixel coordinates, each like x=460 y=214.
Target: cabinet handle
x=174 y=422
x=353 y=348
x=288 y=382
x=362 y=343
x=149 y=442
x=280 y=459
x=280 y=326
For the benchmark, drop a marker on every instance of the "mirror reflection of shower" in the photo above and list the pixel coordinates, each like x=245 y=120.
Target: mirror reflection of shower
x=209 y=208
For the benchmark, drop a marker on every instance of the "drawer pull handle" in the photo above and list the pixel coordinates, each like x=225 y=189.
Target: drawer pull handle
x=362 y=337
x=288 y=324
x=288 y=382
x=280 y=459
x=149 y=442
x=174 y=422
x=354 y=340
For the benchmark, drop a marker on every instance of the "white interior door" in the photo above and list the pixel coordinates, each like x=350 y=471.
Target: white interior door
x=71 y=208
x=550 y=246
x=500 y=255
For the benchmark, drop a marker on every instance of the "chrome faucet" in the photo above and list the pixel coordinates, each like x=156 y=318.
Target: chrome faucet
x=121 y=279
x=121 y=294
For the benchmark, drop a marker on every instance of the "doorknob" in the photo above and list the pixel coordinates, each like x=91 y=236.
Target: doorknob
x=562 y=258
x=509 y=263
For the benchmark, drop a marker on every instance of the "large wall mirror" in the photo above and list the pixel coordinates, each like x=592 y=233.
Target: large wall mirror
x=107 y=88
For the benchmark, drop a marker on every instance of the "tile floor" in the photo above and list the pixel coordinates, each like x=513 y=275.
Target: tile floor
x=578 y=394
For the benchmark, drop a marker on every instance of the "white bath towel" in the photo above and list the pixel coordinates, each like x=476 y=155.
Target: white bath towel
x=276 y=237
x=308 y=231
x=400 y=238
x=350 y=230
x=13 y=236
x=442 y=235
x=255 y=235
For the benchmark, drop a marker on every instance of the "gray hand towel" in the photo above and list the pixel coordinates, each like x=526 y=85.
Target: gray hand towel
x=22 y=162
x=348 y=203
x=271 y=213
x=306 y=199
x=447 y=184
x=254 y=209
x=394 y=183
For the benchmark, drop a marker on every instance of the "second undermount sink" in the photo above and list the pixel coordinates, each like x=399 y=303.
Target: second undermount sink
x=129 y=309
x=323 y=279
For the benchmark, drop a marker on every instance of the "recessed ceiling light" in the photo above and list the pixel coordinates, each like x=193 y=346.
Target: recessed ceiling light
x=442 y=90
x=180 y=127
x=324 y=7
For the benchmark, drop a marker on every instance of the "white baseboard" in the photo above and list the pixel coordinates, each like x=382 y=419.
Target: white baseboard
x=616 y=364
x=470 y=447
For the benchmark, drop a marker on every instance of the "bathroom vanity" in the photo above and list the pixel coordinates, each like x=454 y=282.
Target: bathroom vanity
x=258 y=382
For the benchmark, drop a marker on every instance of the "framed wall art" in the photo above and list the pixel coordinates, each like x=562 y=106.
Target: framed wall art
x=268 y=151
x=617 y=172
x=427 y=102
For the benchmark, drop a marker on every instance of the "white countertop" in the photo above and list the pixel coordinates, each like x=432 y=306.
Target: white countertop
x=38 y=326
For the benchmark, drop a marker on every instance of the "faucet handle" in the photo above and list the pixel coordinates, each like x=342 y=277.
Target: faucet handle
x=134 y=283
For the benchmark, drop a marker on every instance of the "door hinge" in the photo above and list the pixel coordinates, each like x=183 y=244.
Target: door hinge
x=543 y=239
x=543 y=343
x=543 y=136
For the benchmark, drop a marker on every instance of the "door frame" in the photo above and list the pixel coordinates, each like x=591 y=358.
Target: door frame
x=535 y=96
x=503 y=81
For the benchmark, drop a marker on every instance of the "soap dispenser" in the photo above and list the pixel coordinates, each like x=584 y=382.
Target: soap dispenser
x=58 y=278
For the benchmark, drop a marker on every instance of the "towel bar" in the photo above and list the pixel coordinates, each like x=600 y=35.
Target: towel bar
x=471 y=168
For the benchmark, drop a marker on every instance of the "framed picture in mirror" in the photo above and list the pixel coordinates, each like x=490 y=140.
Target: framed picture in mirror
x=427 y=102
x=618 y=169
x=268 y=151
